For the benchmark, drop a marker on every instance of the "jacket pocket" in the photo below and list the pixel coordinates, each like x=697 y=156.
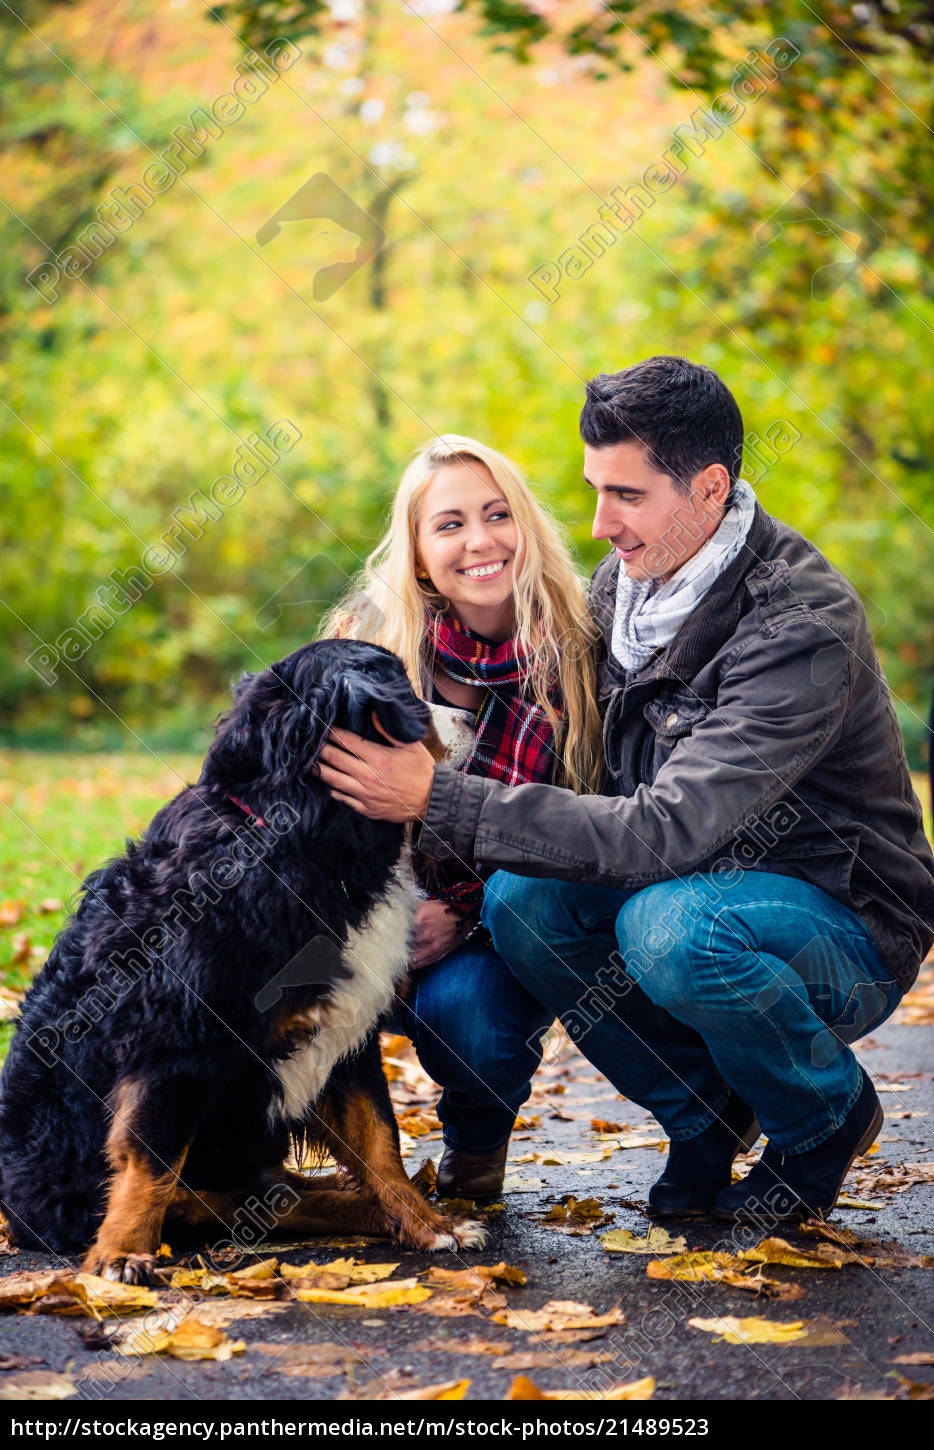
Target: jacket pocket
x=826 y=861
x=674 y=716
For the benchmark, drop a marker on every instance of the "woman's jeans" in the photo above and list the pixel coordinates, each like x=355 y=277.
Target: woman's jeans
x=478 y=1034
x=753 y=980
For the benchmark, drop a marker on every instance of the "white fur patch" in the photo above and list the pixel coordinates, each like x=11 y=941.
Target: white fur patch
x=455 y=732
x=470 y=1234
x=376 y=954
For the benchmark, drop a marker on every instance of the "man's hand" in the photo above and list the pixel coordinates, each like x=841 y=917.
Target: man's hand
x=436 y=933
x=384 y=782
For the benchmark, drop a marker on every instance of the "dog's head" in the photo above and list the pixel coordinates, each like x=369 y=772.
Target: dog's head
x=283 y=715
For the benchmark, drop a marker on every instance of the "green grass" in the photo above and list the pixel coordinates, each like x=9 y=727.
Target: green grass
x=61 y=815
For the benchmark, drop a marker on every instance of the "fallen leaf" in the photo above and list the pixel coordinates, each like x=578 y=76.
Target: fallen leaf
x=523 y=1185
x=632 y=1140
x=313 y=1361
x=18 y=1361
x=465 y=1346
x=577 y=1216
x=172 y=1331
x=920 y=1356
x=11 y=912
x=257 y=1281
x=38 y=1385
x=543 y=1359
x=481 y=1276
x=844 y=1201
x=426 y=1179
x=469 y=1206
x=194 y=1340
x=48 y=904
x=656 y=1241
x=366 y=1296
x=450 y=1390
x=730 y=1330
x=693 y=1268
x=418 y=1122
x=777 y=1251
x=352 y=1271
x=911 y=1389
x=53 y=1291
x=524 y=1389
x=599 y=1126
x=559 y=1314
x=570 y=1159
x=569 y=1336
x=452 y=1306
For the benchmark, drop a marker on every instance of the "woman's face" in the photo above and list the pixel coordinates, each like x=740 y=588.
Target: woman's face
x=466 y=541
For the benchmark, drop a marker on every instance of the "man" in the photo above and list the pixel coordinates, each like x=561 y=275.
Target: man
x=754 y=890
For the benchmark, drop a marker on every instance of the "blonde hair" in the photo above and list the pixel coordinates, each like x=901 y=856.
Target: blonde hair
x=388 y=605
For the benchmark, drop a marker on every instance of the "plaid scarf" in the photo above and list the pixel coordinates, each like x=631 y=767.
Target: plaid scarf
x=515 y=743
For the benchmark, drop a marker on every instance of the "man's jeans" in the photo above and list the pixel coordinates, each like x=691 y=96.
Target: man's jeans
x=752 y=980
x=479 y=1035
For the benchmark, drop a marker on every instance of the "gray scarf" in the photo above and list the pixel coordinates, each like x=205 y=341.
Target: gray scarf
x=648 y=618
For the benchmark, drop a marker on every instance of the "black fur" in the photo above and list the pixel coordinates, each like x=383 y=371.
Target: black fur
x=180 y=1016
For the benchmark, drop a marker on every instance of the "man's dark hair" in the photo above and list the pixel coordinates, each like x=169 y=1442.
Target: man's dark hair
x=681 y=412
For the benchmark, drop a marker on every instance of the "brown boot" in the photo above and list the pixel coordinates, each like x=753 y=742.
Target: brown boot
x=472 y=1175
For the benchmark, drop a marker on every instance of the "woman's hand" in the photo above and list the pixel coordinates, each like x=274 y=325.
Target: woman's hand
x=384 y=782
x=437 y=932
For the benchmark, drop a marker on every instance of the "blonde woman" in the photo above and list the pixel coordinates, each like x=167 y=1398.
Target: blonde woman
x=475 y=590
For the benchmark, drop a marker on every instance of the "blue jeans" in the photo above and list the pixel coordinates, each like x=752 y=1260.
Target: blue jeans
x=478 y=1034
x=677 y=992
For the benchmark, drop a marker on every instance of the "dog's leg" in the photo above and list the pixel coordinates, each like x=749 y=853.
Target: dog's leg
x=357 y=1123
x=309 y=1212
x=146 y=1148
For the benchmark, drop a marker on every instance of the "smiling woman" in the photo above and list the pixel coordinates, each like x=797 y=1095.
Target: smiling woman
x=475 y=590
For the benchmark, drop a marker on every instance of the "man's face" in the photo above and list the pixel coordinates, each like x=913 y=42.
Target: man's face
x=654 y=527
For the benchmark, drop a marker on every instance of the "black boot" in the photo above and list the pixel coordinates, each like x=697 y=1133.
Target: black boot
x=472 y=1175
x=699 y=1168
x=804 y=1185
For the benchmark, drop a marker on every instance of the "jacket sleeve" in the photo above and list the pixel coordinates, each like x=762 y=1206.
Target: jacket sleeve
x=780 y=706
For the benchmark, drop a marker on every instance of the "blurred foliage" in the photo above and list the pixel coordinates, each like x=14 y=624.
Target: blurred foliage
x=482 y=137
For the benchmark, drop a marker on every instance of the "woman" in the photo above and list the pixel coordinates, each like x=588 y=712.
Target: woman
x=475 y=590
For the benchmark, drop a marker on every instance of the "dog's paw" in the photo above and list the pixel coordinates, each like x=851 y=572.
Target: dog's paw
x=128 y=1269
x=468 y=1234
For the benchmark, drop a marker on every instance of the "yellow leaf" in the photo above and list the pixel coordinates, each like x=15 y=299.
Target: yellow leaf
x=751 y=1331
x=189 y=1340
x=55 y=1292
x=581 y=1209
x=525 y=1389
x=656 y=1241
x=696 y=1268
x=846 y=1202
x=777 y=1251
x=355 y=1271
x=367 y=1296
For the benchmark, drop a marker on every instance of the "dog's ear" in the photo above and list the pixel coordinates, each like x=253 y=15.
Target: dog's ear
x=294 y=730
x=401 y=714
x=270 y=729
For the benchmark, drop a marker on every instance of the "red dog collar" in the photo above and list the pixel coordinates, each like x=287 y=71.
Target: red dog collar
x=252 y=814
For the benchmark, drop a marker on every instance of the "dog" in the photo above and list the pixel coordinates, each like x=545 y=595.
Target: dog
x=214 y=1000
